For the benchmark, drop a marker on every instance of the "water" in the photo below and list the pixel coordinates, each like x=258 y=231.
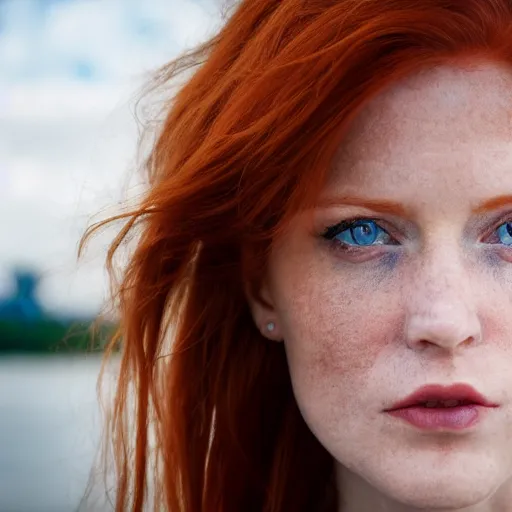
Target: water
x=50 y=428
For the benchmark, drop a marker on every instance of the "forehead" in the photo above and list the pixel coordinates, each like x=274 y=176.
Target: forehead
x=445 y=126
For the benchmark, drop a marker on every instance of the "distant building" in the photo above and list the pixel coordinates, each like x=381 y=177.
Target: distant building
x=22 y=305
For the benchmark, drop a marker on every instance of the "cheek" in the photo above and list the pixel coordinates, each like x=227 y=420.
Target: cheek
x=492 y=291
x=335 y=329
x=498 y=317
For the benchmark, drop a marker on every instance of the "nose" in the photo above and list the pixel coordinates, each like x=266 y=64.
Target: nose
x=442 y=310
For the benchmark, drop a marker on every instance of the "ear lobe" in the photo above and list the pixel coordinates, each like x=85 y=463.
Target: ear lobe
x=263 y=313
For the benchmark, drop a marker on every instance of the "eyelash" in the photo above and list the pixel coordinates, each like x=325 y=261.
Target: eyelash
x=331 y=232
x=502 y=223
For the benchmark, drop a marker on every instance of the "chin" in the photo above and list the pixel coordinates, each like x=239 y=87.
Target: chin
x=424 y=482
x=448 y=499
x=455 y=489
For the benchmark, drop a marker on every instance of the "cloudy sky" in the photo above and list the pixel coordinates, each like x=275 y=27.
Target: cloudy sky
x=69 y=73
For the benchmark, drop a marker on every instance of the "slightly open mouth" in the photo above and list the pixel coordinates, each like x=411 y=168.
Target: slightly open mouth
x=436 y=404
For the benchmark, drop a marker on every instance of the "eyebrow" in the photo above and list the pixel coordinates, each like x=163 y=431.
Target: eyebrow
x=493 y=204
x=394 y=208
x=378 y=205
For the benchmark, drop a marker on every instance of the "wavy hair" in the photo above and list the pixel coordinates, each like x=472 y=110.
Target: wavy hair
x=247 y=141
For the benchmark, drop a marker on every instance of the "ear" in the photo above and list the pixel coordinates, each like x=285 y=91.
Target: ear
x=263 y=312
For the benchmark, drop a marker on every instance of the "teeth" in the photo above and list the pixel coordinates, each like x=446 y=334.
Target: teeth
x=432 y=403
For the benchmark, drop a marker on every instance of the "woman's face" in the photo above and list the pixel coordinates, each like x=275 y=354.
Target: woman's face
x=417 y=292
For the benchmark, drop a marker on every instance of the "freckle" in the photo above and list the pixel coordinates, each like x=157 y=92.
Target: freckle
x=494 y=261
x=356 y=358
x=386 y=266
x=390 y=261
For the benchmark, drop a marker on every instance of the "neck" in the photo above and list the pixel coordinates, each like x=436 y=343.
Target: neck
x=357 y=495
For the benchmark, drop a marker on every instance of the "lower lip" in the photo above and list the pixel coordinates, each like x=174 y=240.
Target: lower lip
x=442 y=418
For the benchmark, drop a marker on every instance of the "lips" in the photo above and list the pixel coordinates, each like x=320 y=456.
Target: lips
x=436 y=408
x=437 y=396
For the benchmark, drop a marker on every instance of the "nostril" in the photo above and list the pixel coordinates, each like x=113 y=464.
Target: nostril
x=424 y=332
x=467 y=341
x=424 y=344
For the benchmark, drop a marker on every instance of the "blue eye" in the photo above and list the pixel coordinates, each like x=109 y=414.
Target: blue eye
x=362 y=233
x=505 y=233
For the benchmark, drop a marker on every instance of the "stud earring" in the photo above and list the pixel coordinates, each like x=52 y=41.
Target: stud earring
x=271 y=326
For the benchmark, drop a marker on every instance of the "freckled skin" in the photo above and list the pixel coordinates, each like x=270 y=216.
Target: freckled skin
x=361 y=334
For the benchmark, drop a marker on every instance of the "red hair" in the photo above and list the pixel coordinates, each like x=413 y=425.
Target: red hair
x=247 y=141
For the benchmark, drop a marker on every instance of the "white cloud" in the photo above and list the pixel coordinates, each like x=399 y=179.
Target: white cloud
x=67 y=147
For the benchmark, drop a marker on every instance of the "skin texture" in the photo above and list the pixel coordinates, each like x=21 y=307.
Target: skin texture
x=363 y=330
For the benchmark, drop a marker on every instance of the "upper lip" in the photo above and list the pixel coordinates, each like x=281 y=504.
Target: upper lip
x=437 y=392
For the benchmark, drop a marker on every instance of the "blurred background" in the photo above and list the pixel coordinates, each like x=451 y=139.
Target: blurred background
x=70 y=72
